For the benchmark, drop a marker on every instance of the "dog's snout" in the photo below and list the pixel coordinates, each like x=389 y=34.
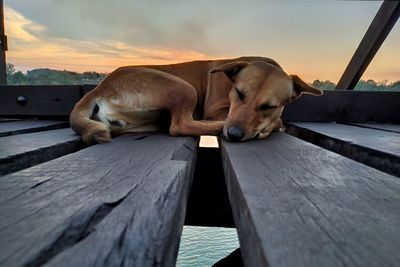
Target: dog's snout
x=235 y=133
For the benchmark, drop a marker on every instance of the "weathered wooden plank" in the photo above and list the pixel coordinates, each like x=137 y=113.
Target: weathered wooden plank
x=30 y=126
x=296 y=204
x=22 y=151
x=86 y=88
x=346 y=106
x=376 y=34
x=341 y=106
x=379 y=149
x=395 y=128
x=7 y=120
x=38 y=101
x=116 y=204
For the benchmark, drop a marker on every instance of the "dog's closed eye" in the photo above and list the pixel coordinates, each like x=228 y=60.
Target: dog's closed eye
x=240 y=94
x=265 y=107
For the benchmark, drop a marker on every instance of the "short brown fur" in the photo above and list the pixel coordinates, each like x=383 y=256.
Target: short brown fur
x=201 y=97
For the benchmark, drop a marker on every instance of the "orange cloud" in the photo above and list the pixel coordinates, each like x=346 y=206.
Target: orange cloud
x=323 y=57
x=30 y=47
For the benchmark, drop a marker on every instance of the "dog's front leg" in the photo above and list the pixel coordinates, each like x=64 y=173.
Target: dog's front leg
x=188 y=126
x=182 y=122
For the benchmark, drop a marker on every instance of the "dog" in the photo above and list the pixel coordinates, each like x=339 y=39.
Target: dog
x=241 y=98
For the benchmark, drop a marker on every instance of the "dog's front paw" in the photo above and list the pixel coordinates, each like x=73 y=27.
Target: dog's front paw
x=278 y=126
x=97 y=135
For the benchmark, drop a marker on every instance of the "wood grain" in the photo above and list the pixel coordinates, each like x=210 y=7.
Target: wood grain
x=345 y=106
x=379 y=149
x=56 y=102
x=30 y=126
x=395 y=128
x=52 y=101
x=25 y=150
x=117 y=204
x=296 y=204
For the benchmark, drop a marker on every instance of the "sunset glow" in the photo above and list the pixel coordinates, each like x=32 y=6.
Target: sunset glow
x=313 y=50
x=29 y=48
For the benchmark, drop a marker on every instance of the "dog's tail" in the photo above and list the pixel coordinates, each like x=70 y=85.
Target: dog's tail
x=82 y=123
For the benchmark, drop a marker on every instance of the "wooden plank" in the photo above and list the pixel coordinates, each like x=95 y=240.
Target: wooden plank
x=30 y=126
x=22 y=151
x=7 y=120
x=346 y=106
x=116 y=204
x=343 y=106
x=296 y=204
x=86 y=88
x=50 y=101
x=376 y=34
x=395 y=128
x=379 y=149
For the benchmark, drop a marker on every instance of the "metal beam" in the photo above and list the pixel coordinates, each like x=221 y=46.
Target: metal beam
x=3 y=47
x=376 y=34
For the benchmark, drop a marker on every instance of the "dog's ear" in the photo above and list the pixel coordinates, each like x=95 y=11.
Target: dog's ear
x=300 y=87
x=231 y=70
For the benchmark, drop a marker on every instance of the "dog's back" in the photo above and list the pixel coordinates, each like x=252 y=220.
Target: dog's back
x=206 y=93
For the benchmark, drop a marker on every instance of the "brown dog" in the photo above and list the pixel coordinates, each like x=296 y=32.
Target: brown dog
x=194 y=99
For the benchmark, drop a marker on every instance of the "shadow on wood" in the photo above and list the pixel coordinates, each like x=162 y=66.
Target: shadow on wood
x=232 y=260
x=208 y=200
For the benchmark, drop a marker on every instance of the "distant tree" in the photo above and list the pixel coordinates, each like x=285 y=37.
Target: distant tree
x=362 y=85
x=64 y=77
x=395 y=86
x=370 y=85
x=324 y=85
x=17 y=78
x=48 y=76
x=92 y=77
x=10 y=69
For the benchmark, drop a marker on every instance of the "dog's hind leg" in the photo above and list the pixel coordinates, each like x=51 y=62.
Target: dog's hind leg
x=81 y=122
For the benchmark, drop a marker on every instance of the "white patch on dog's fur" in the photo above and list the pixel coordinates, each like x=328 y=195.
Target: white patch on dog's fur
x=135 y=118
x=106 y=115
x=103 y=113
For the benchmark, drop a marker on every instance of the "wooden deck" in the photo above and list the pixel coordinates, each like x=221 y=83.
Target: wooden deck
x=296 y=204
x=326 y=193
x=121 y=203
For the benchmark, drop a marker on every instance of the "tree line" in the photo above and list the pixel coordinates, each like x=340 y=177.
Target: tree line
x=64 y=77
x=362 y=85
x=53 y=77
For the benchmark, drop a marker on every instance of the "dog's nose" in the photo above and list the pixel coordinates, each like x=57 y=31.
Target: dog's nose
x=235 y=133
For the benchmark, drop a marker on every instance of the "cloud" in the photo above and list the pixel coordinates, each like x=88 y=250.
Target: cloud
x=31 y=47
x=140 y=23
x=20 y=28
x=101 y=34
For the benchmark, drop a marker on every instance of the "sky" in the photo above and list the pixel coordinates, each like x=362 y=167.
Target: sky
x=314 y=39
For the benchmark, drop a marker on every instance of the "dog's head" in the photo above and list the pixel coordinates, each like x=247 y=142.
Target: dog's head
x=260 y=91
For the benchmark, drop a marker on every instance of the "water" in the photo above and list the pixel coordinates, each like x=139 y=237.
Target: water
x=204 y=246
